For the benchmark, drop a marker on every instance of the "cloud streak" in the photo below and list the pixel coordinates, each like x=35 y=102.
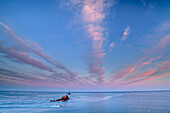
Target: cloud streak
x=161 y=71
x=23 y=56
x=33 y=48
x=25 y=53
x=126 y=33
x=11 y=77
x=133 y=74
x=93 y=15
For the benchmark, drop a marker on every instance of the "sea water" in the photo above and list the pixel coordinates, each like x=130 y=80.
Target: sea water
x=85 y=102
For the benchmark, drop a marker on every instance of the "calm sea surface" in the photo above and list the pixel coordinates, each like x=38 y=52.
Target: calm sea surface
x=106 y=102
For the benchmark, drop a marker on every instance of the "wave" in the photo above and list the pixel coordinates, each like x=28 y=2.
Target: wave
x=92 y=99
x=107 y=98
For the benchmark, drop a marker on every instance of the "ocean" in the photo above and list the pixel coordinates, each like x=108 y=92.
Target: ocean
x=85 y=102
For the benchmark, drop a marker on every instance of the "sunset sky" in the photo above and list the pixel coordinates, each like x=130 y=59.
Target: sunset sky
x=84 y=44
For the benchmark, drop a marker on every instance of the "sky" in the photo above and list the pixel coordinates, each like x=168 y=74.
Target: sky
x=84 y=45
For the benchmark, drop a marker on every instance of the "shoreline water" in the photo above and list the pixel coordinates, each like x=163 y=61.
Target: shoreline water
x=86 y=102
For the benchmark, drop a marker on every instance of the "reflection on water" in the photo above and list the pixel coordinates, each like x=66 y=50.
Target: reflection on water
x=116 y=102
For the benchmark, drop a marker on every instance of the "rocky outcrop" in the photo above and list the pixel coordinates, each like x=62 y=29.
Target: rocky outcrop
x=64 y=98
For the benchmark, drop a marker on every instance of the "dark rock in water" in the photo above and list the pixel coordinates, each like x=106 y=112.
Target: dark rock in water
x=52 y=100
x=64 y=98
x=58 y=100
x=69 y=93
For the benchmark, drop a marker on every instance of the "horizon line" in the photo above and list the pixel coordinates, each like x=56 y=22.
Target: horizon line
x=89 y=91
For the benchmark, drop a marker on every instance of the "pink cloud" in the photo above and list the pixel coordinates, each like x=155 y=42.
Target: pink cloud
x=92 y=15
x=92 y=11
x=24 y=52
x=128 y=74
x=159 y=70
x=124 y=73
x=33 y=48
x=139 y=75
x=147 y=62
x=149 y=78
x=132 y=73
x=111 y=46
x=23 y=56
